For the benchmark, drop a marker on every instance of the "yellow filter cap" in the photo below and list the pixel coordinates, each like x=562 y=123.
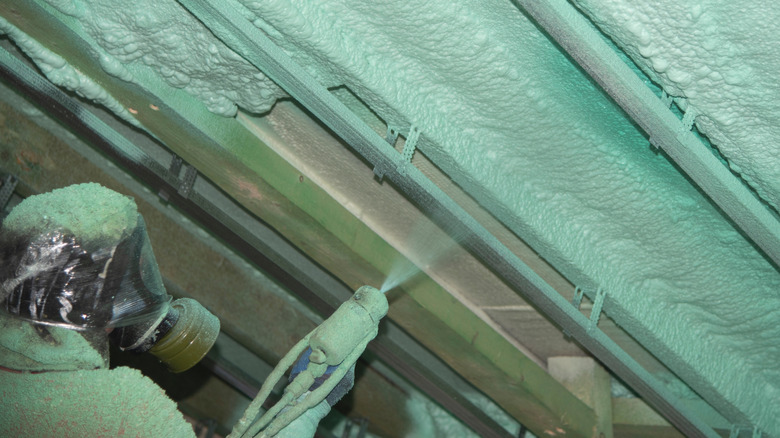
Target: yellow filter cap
x=190 y=338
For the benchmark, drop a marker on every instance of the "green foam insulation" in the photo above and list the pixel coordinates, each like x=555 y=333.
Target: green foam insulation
x=25 y=347
x=431 y=420
x=718 y=59
x=57 y=70
x=91 y=212
x=135 y=39
x=513 y=121
x=95 y=403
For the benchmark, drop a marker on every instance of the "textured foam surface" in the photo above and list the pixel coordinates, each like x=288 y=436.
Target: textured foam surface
x=721 y=57
x=135 y=37
x=63 y=74
x=97 y=403
x=431 y=420
x=91 y=212
x=512 y=120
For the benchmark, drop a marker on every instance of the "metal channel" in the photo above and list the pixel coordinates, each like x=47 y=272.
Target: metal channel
x=226 y=19
x=251 y=238
x=587 y=47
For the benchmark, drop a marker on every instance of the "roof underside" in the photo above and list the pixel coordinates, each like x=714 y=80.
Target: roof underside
x=518 y=134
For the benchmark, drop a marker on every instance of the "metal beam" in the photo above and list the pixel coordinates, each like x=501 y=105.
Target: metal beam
x=255 y=241
x=228 y=23
x=585 y=44
x=239 y=163
x=589 y=49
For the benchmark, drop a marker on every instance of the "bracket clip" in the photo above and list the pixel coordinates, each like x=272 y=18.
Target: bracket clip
x=576 y=301
x=411 y=144
x=183 y=185
x=392 y=135
x=737 y=430
x=598 y=304
x=380 y=171
x=188 y=182
x=175 y=167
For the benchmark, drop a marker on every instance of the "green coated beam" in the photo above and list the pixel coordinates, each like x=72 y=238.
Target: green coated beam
x=191 y=268
x=228 y=23
x=392 y=346
x=582 y=41
x=589 y=49
x=265 y=184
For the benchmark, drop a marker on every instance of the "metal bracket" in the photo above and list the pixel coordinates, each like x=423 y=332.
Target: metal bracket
x=409 y=147
x=183 y=185
x=737 y=430
x=576 y=301
x=186 y=183
x=392 y=135
x=380 y=171
x=411 y=144
x=7 y=190
x=598 y=304
x=175 y=167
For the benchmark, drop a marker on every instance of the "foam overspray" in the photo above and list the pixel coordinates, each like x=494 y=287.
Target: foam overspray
x=426 y=246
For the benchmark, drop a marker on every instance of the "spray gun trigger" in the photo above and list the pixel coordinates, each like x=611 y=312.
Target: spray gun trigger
x=317 y=356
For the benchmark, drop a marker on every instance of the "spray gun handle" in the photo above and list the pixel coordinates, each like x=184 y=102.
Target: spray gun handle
x=338 y=341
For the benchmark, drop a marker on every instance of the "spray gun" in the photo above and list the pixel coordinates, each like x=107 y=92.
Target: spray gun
x=333 y=347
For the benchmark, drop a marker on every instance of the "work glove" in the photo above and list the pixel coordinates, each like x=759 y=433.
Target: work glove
x=306 y=425
x=339 y=391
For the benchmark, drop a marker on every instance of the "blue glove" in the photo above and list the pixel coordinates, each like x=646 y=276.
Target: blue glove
x=339 y=391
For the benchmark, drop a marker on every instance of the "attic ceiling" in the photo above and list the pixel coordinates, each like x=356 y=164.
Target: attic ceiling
x=623 y=149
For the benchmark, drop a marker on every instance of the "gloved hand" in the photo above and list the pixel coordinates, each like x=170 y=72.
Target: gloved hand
x=339 y=391
x=306 y=424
